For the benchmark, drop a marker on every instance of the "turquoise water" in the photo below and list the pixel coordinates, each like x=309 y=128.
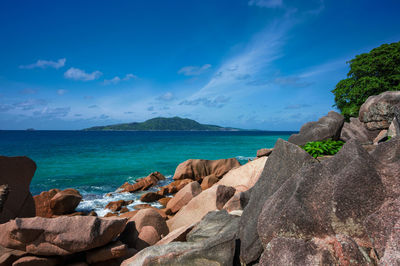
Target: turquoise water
x=99 y=162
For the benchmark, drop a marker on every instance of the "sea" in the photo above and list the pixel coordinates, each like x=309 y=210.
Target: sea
x=98 y=162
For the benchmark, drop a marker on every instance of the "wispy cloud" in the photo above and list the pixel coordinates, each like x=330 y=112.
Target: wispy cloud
x=193 y=70
x=30 y=104
x=5 y=107
x=252 y=64
x=266 y=3
x=61 y=92
x=78 y=74
x=117 y=79
x=51 y=113
x=168 y=96
x=93 y=106
x=217 y=102
x=45 y=64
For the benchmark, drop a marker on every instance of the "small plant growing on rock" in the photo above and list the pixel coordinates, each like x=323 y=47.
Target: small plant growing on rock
x=321 y=148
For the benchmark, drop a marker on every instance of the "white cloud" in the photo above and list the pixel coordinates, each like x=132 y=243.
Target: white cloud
x=166 y=97
x=129 y=76
x=61 y=92
x=266 y=3
x=78 y=74
x=117 y=79
x=194 y=70
x=45 y=63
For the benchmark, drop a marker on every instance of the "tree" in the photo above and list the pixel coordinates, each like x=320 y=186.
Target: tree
x=370 y=74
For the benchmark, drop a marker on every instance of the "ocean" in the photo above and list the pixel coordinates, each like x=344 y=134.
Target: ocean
x=98 y=162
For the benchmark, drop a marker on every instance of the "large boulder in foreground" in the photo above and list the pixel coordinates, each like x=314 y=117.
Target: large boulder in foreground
x=349 y=201
x=57 y=202
x=284 y=162
x=211 y=242
x=245 y=176
x=327 y=127
x=208 y=200
x=357 y=130
x=196 y=169
x=59 y=236
x=378 y=111
x=17 y=173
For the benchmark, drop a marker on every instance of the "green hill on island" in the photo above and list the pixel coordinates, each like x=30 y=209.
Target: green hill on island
x=163 y=124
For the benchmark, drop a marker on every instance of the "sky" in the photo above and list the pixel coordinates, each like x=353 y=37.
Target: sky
x=253 y=64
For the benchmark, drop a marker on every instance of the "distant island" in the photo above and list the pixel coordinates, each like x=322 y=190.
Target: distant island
x=163 y=124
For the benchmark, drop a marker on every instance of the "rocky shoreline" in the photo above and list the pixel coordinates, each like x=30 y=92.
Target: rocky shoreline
x=282 y=208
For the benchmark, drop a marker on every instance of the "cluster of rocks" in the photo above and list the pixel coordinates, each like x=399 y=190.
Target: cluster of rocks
x=378 y=121
x=283 y=208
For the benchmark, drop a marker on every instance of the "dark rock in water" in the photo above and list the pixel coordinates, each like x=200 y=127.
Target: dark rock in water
x=151 y=197
x=117 y=205
x=211 y=242
x=327 y=127
x=378 y=111
x=17 y=173
x=174 y=187
x=358 y=131
x=57 y=202
x=284 y=162
x=3 y=196
x=59 y=236
x=65 y=201
x=142 y=183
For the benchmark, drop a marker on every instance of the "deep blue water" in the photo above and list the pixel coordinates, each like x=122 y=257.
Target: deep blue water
x=96 y=162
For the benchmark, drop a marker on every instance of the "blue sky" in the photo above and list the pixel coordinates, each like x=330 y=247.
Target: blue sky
x=264 y=64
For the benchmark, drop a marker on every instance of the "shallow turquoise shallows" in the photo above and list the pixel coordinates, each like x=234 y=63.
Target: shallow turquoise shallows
x=98 y=162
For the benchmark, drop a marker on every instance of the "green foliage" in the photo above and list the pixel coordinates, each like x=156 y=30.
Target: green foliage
x=370 y=74
x=321 y=148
